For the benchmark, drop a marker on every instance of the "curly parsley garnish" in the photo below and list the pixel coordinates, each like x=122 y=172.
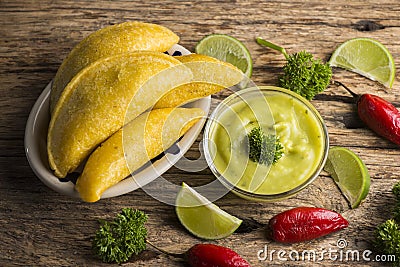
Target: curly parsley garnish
x=387 y=234
x=118 y=240
x=302 y=73
x=264 y=149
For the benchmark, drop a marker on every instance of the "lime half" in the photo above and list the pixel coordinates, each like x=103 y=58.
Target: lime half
x=350 y=174
x=228 y=49
x=203 y=218
x=367 y=57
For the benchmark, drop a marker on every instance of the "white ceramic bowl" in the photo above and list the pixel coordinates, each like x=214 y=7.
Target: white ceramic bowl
x=36 y=149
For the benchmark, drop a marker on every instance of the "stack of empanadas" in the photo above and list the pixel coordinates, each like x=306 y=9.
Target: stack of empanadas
x=115 y=102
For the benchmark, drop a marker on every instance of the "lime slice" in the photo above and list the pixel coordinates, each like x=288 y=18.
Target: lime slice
x=350 y=174
x=367 y=57
x=228 y=49
x=203 y=218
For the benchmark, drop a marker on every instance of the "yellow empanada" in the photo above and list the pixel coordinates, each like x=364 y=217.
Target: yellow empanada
x=111 y=40
x=132 y=146
x=210 y=76
x=94 y=104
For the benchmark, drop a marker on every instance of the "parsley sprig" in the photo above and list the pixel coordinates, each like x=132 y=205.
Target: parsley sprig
x=387 y=234
x=264 y=149
x=302 y=73
x=118 y=240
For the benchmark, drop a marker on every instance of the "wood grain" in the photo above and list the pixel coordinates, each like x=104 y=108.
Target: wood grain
x=39 y=227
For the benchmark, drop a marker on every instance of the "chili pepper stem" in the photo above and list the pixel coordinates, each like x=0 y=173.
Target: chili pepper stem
x=356 y=96
x=175 y=255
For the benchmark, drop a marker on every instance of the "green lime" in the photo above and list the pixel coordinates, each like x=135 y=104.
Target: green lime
x=367 y=57
x=203 y=218
x=350 y=174
x=228 y=49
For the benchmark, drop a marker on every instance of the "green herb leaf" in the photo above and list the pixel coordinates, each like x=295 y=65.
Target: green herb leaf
x=387 y=235
x=264 y=149
x=304 y=75
x=116 y=241
x=388 y=239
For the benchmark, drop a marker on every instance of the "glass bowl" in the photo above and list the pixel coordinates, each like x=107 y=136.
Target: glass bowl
x=280 y=113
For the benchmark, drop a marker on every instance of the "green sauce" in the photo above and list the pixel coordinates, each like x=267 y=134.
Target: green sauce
x=299 y=130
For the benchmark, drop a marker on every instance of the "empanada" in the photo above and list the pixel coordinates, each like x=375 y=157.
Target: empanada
x=109 y=41
x=210 y=76
x=132 y=146
x=94 y=104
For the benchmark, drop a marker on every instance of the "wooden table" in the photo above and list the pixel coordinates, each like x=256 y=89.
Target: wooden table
x=39 y=227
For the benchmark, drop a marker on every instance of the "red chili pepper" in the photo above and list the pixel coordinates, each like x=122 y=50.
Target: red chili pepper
x=305 y=223
x=379 y=115
x=209 y=255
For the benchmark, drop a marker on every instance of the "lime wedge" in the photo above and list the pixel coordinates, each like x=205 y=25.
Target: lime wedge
x=367 y=57
x=203 y=218
x=350 y=174
x=228 y=49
